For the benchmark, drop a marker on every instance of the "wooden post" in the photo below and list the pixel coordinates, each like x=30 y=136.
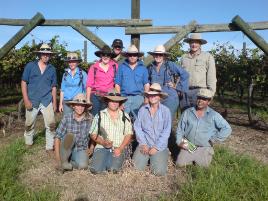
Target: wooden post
x=135 y=14
x=85 y=51
x=171 y=42
x=88 y=34
x=37 y=19
x=253 y=36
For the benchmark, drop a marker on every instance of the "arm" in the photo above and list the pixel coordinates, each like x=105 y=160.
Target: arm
x=224 y=129
x=60 y=132
x=57 y=150
x=117 y=88
x=27 y=102
x=126 y=141
x=140 y=135
x=90 y=82
x=54 y=98
x=182 y=126
x=88 y=93
x=183 y=84
x=118 y=80
x=61 y=101
x=211 y=74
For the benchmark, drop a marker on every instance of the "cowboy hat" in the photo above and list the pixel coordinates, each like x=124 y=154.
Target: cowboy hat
x=205 y=93
x=159 y=49
x=117 y=43
x=114 y=96
x=79 y=99
x=45 y=49
x=132 y=49
x=195 y=37
x=72 y=56
x=106 y=50
x=155 y=89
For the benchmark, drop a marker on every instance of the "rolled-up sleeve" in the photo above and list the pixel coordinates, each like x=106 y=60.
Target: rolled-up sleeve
x=61 y=130
x=26 y=73
x=183 y=84
x=223 y=127
x=118 y=77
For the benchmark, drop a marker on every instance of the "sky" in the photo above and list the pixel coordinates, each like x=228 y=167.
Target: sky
x=162 y=13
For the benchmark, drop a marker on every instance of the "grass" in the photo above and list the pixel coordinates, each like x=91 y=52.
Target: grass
x=11 y=164
x=230 y=177
x=8 y=110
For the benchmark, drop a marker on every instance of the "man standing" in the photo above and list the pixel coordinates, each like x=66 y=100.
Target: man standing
x=200 y=126
x=132 y=80
x=201 y=67
x=112 y=131
x=152 y=128
x=38 y=87
x=117 y=48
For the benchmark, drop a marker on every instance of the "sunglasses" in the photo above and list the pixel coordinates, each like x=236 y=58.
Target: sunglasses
x=72 y=58
x=117 y=47
x=114 y=94
x=132 y=55
x=105 y=55
x=158 y=55
x=80 y=100
x=45 y=49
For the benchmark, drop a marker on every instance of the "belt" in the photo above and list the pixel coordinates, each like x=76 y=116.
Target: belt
x=194 y=87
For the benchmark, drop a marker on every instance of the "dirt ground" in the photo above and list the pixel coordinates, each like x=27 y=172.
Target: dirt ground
x=129 y=184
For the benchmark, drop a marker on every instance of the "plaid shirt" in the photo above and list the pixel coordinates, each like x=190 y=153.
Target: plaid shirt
x=80 y=129
x=112 y=130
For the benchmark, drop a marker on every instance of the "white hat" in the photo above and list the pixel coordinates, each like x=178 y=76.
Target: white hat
x=79 y=99
x=155 y=89
x=205 y=93
x=132 y=49
x=45 y=49
x=159 y=49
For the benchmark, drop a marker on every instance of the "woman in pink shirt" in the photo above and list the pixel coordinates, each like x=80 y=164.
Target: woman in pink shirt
x=100 y=78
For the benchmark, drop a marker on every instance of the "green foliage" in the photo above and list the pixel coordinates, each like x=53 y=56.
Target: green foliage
x=176 y=52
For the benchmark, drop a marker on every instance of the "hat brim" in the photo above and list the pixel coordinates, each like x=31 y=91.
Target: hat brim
x=154 y=53
x=188 y=40
x=201 y=96
x=161 y=94
x=45 y=52
x=78 y=103
x=116 y=98
x=125 y=54
x=99 y=53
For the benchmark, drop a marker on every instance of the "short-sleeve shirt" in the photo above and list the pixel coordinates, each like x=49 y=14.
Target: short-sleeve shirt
x=39 y=86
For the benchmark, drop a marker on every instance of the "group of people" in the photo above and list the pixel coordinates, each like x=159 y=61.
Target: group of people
x=120 y=101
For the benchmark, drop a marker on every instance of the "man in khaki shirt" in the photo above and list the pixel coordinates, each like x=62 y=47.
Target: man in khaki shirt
x=201 y=67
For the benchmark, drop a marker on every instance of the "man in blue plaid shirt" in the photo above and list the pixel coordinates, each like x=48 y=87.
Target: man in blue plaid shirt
x=72 y=135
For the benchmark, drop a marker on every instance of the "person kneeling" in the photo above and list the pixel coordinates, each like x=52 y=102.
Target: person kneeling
x=112 y=131
x=72 y=135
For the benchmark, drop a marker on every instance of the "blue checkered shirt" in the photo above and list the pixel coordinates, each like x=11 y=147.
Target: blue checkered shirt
x=79 y=129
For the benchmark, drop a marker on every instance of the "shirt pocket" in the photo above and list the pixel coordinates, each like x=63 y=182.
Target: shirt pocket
x=200 y=66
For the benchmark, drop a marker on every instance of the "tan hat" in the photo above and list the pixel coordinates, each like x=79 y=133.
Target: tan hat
x=132 y=49
x=45 y=49
x=155 y=89
x=195 y=36
x=159 y=49
x=105 y=50
x=205 y=93
x=72 y=56
x=79 y=99
x=114 y=96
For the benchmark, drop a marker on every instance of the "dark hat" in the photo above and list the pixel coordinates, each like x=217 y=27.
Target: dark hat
x=106 y=50
x=118 y=43
x=72 y=56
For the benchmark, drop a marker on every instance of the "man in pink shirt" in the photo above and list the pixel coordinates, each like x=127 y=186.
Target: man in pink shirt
x=101 y=78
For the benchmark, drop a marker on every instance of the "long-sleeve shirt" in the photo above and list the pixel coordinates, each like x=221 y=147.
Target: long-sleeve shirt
x=212 y=126
x=202 y=70
x=153 y=131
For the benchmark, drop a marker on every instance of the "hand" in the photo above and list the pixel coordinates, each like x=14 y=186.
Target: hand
x=54 y=106
x=183 y=145
x=107 y=144
x=28 y=104
x=171 y=84
x=117 y=152
x=153 y=151
x=144 y=149
x=60 y=108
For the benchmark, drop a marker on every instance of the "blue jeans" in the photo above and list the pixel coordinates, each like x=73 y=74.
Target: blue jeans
x=79 y=159
x=98 y=104
x=66 y=109
x=133 y=104
x=158 y=162
x=103 y=160
x=172 y=103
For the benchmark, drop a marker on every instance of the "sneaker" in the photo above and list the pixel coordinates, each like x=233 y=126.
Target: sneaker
x=66 y=166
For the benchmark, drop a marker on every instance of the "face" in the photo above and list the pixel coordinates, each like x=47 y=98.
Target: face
x=202 y=103
x=195 y=46
x=73 y=64
x=154 y=99
x=105 y=58
x=79 y=109
x=44 y=57
x=117 y=50
x=132 y=58
x=112 y=105
x=159 y=58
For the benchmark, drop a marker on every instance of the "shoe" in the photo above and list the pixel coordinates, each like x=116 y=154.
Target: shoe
x=67 y=166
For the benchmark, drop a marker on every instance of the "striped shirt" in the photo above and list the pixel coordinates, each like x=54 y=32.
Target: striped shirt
x=79 y=129
x=111 y=130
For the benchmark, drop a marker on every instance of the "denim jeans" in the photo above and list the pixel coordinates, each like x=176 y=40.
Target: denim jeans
x=133 y=104
x=79 y=159
x=158 y=162
x=189 y=99
x=66 y=108
x=98 y=104
x=172 y=103
x=49 y=119
x=103 y=160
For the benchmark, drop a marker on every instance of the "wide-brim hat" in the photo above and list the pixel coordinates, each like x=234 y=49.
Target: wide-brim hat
x=205 y=93
x=106 y=50
x=45 y=49
x=159 y=49
x=114 y=96
x=79 y=99
x=72 y=56
x=132 y=49
x=195 y=37
x=155 y=89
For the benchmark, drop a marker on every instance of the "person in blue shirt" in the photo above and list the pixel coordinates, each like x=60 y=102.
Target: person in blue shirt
x=172 y=78
x=152 y=128
x=132 y=80
x=200 y=126
x=73 y=82
x=38 y=86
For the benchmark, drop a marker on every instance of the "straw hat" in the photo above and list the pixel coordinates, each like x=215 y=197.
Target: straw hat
x=195 y=37
x=72 y=56
x=79 y=99
x=106 y=50
x=132 y=49
x=155 y=89
x=114 y=96
x=205 y=93
x=45 y=49
x=159 y=49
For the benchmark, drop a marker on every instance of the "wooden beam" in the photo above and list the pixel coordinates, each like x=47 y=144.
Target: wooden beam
x=199 y=28
x=135 y=14
x=85 y=22
x=253 y=36
x=88 y=34
x=175 y=39
x=37 y=19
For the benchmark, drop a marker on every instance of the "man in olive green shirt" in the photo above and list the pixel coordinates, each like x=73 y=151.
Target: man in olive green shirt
x=201 y=67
